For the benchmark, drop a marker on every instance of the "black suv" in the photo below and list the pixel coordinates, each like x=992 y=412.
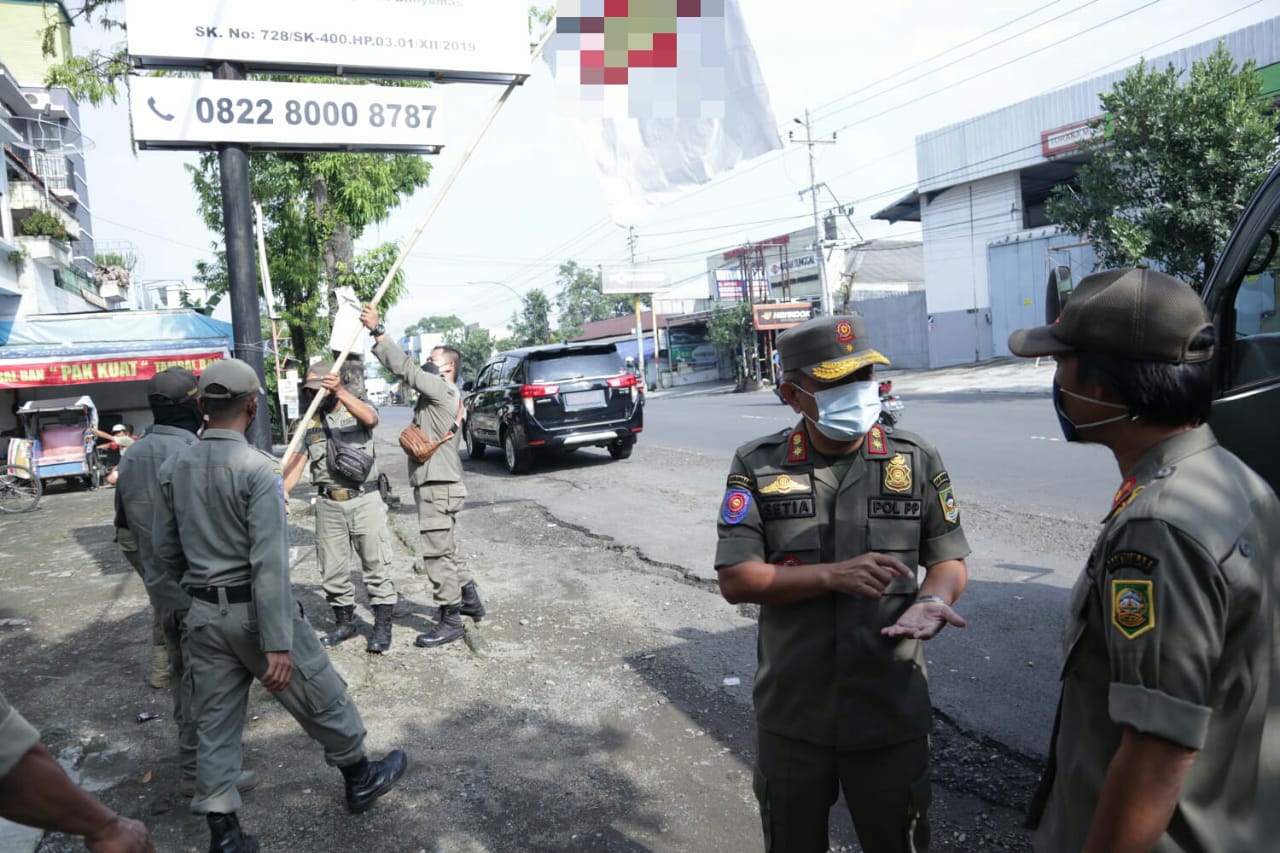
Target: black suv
x=559 y=397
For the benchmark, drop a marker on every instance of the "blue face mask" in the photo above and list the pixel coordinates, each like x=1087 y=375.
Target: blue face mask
x=846 y=412
x=1071 y=429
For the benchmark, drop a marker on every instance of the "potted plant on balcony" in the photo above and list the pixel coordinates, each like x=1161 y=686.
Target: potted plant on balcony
x=41 y=223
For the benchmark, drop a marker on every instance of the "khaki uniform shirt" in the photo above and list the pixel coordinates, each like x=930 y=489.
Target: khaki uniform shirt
x=138 y=488
x=221 y=522
x=436 y=413
x=826 y=675
x=17 y=737
x=344 y=427
x=1172 y=632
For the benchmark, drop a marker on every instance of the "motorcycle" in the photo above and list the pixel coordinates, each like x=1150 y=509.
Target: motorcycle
x=891 y=406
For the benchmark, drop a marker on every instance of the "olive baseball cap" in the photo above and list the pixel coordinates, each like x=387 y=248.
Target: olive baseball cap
x=316 y=374
x=174 y=385
x=828 y=348
x=229 y=379
x=1134 y=313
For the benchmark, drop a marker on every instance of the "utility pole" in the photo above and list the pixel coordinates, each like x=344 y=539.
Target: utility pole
x=631 y=250
x=827 y=307
x=237 y=220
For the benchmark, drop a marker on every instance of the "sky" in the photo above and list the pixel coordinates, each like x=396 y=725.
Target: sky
x=876 y=75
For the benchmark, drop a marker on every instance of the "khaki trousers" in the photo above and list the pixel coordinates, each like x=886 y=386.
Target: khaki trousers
x=225 y=655
x=129 y=548
x=886 y=790
x=347 y=527
x=438 y=507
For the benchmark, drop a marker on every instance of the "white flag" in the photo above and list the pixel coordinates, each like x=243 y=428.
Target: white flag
x=665 y=94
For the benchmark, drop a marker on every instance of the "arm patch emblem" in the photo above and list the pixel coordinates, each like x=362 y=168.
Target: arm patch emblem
x=1131 y=560
x=950 y=509
x=741 y=481
x=1133 y=607
x=735 y=506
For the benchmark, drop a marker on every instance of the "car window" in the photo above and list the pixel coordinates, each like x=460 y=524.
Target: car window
x=518 y=372
x=558 y=367
x=485 y=375
x=1256 y=350
x=508 y=367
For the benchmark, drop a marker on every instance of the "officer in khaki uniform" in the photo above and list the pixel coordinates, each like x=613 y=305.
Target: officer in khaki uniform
x=1168 y=728
x=220 y=529
x=825 y=525
x=437 y=485
x=350 y=516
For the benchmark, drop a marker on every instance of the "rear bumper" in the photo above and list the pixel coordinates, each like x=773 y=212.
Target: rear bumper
x=587 y=435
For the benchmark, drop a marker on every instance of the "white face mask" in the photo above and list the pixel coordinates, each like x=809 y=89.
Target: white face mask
x=846 y=412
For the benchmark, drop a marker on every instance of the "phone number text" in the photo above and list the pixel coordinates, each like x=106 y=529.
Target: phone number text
x=264 y=111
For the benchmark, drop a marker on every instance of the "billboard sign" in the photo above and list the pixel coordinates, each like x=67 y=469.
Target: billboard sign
x=618 y=280
x=458 y=40
x=1063 y=140
x=801 y=266
x=782 y=315
x=35 y=373
x=194 y=113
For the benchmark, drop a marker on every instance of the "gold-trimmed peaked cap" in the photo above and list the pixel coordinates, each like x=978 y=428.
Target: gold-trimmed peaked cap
x=229 y=379
x=828 y=348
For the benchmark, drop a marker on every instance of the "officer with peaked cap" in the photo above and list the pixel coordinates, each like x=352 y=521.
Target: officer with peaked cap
x=825 y=526
x=350 y=516
x=1166 y=733
x=220 y=529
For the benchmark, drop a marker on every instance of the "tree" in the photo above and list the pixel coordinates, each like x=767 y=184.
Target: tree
x=476 y=348
x=439 y=324
x=733 y=333
x=531 y=324
x=580 y=300
x=1180 y=164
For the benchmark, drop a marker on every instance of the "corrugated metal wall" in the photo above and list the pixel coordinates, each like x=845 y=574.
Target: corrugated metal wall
x=1018 y=272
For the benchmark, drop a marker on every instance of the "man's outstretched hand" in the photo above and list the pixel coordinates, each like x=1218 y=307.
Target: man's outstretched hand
x=923 y=621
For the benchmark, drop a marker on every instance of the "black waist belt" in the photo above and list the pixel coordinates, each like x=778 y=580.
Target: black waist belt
x=342 y=493
x=235 y=594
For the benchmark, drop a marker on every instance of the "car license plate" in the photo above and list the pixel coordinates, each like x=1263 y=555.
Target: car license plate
x=576 y=401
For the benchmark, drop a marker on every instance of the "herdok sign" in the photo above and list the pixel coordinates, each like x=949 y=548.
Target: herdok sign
x=174 y=112
x=782 y=315
x=33 y=374
x=474 y=40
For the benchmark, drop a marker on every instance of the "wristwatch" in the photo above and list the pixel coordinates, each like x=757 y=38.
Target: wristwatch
x=377 y=330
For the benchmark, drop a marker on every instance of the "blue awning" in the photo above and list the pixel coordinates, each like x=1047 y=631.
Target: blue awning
x=110 y=333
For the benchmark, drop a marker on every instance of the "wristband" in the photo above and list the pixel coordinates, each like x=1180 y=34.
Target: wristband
x=925 y=599
x=377 y=330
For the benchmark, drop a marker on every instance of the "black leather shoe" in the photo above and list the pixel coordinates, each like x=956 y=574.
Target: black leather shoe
x=471 y=604
x=227 y=836
x=378 y=778
x=344 y=617
x=448 y=629
x=381 y=639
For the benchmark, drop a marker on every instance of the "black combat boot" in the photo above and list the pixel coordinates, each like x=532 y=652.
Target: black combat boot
x=381 y=639
x=367 y=780
x=471 y=604
x=227 y=836
x=344 y=615
x=448 y=629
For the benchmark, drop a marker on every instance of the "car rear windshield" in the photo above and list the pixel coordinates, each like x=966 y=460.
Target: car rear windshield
x=558 y=367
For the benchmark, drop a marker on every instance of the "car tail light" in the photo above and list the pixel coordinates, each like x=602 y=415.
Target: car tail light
x=626 y=380
x=530 y=391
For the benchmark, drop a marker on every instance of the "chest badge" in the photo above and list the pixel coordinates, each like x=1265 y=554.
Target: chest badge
x=897 y=474
x=1133 y=608
x=797 y=447
x=785 y=484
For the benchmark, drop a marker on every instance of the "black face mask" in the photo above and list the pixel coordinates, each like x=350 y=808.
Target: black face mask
x=184 y=415
x=326 y=405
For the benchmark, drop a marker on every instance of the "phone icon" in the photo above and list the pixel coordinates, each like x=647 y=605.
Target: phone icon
x=151 y=102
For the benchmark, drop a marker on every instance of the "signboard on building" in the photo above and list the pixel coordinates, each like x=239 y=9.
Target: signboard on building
x=731 y=284
x=783 y=315
x=457 y=40
x=801 y=266
x=1062 y=140
x=630 y=279
x=189 y=113
x=63 y=371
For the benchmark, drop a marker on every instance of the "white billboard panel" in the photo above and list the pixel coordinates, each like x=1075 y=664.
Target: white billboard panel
x=174 y=112
x=479 y=40
x=628 y=279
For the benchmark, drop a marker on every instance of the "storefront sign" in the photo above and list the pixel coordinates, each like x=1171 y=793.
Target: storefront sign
x=195 y=113
x=800 y=266
x=83 y=372
x=623 y=280
x=1069 y=137
x=476 y=40
x=782 y=316
x=731 y=285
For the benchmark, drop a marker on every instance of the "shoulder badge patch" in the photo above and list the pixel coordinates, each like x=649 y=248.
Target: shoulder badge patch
x=735 y=506
x=1131 y=560
x=941 y=480
x=950 y=509
x=876 y=445
x=741 y=481
x=1123 y=499
x=797 y=447
x=897 y=474
x=1133 y=607
x=784 y=484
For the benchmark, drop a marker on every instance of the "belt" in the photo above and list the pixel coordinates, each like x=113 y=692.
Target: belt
x=337 y=493
x=235 y=594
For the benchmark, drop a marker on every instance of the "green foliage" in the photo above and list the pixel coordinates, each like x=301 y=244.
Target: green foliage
x=116 y=259
x=504 y=344
x=42 y=223
x=368 y=270
x=96 y=76
x=476 y=348
x=1183 y=160
x=18 y=257
x=531 y=324
x=730 y=329
x=438 y=324
x=580 y=300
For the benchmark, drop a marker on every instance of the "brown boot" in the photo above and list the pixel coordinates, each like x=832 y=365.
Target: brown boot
x=159 y=667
